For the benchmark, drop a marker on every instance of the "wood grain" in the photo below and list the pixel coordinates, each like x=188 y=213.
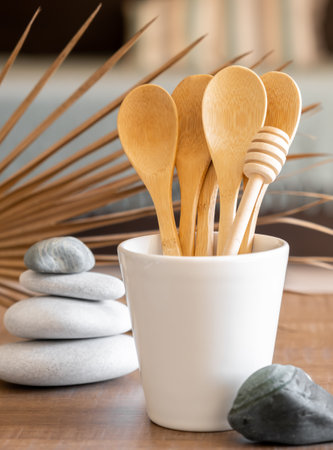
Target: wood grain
x=193 y=157
x=148 y=130
x=111 y=415
x=229 y=131
x=204 y=245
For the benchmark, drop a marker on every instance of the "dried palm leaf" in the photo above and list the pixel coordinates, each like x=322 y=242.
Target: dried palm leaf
x=306 y=169
x=284 y=65
x=325 y=262
x=17 y=48
x=303 y=194
x=18 y=113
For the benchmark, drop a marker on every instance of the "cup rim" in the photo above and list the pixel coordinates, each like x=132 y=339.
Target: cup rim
x=281 y=246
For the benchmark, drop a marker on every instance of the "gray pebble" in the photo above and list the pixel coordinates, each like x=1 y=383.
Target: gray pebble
x=59 y=255
x=66 y=318
x=85 y=286
x=281 y=404
x=67 y=362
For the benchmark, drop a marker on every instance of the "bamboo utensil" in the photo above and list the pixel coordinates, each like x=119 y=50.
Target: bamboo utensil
x=148 y=130
x=234 y=109
x=264 y=160
x=284 y=109
x=284 y=103
x=206 y=214
x=192 y=157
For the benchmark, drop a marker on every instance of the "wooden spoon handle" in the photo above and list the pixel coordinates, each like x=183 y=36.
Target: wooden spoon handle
x=263 y=163
x=247 y=242
x=189 y=195
x=228 y=203
x=167 y=226
x=206 y=214
x=243 y=215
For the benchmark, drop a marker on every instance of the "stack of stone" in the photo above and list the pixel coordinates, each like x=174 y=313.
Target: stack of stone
x=75 y=329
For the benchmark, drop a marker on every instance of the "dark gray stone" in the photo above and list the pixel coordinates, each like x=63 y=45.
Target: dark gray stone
x=281 y=404
x=59 y=255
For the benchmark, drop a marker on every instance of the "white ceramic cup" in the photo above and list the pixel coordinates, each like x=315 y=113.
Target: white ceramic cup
x=201 y=326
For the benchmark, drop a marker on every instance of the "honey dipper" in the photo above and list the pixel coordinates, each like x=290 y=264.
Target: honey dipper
x=267 y=152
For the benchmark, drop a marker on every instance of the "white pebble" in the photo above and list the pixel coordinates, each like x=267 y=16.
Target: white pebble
x=85 y=286
x=67 y=362
x=66 y=318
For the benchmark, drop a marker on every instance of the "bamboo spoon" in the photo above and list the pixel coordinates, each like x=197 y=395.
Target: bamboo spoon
x=148 y=130
x=284 y=109
x=192 y=157
x=234 y=109
x=206 y=214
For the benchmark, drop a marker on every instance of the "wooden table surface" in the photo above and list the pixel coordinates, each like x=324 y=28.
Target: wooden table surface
x=111 y=414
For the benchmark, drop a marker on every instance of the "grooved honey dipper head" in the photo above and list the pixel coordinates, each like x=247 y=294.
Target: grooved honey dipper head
x=267 y=154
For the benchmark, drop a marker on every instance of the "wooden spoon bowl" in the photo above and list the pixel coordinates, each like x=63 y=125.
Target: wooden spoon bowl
x=193 y=157
x=148 y=131
x=234 y=109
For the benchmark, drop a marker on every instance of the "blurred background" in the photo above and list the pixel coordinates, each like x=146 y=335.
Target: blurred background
x=295 y=29
x=301 y=30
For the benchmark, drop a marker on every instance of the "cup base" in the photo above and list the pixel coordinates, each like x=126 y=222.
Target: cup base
x=190 y=427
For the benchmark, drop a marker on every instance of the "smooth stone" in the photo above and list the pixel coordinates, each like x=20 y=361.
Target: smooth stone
x=59 y=255
x=67 y=362
x=66 y=318
x=85 y=285
x=281 y=404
